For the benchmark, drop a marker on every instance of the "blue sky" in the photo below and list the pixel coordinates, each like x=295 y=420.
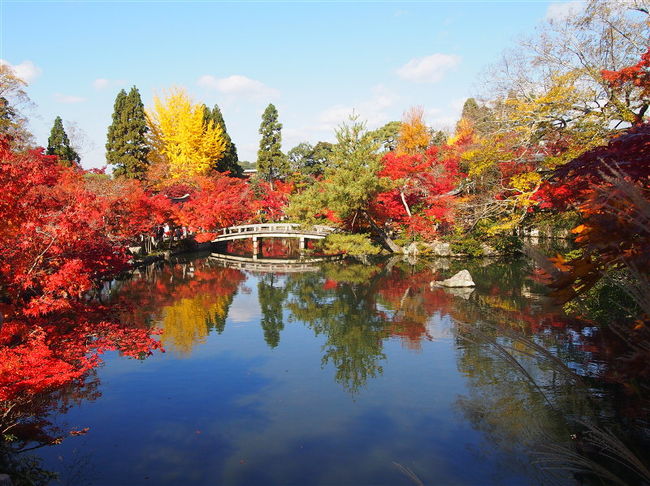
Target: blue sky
x=316 y=61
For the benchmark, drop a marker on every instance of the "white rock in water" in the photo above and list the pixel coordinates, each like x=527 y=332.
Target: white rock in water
x=461 y=279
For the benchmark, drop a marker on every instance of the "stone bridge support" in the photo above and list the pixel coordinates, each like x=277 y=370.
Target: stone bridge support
x=256 y=246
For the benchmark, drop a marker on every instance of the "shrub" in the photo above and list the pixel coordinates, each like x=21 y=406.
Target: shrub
x=352 y=245
x=507 y=244
x=467 y=245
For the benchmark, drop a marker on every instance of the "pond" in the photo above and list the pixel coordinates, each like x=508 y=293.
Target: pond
x=341 y=374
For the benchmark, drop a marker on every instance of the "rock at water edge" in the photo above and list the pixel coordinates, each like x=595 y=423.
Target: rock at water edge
x=461 y=279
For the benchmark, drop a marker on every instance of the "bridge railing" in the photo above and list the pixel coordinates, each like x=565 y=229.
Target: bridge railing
x=275 y=228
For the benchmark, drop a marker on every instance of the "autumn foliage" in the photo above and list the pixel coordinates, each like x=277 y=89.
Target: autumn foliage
x=609 y=187
x=58 y=240
x=63 y=231
x=633 y=78
x=184 y=143
x=422 y=200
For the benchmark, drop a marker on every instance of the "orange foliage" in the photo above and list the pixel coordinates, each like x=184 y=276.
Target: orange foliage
x=414 y=136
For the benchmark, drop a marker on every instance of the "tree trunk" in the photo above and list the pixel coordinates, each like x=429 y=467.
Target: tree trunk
x=385 y=239
x=406 y=206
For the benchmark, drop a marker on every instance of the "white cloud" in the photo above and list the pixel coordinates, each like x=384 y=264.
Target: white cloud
x=443 y=123
x=445 y=118
x=457 y=104
x=335 y=114
x=244 y=309
x=26 y=70
x=429 y=69
x=562 y=11
x=102 y=83
x=62 y=98
x=237 y=85
x=372 y=111
x=382 y=98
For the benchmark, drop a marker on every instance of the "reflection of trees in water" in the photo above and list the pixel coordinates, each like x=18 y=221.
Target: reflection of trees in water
x=531 y=373
x=186 y=300
x=339 y=304
x=409 y=303
x=47 y=365
x=29 y=423
x=187 y=322
x=271 y=298
x=356 y=307
x=505 y=402
x=538 y=382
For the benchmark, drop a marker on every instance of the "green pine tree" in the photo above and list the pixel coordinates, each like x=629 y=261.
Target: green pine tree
x=387 y=136
x=479 y=115
x=126 y=147
x=350 y=184
x=271 y=162
x=229 y=161
x=59 y=144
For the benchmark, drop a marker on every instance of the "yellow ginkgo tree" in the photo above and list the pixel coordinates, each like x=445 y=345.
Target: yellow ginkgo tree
x=414 y=135
x=182 y=140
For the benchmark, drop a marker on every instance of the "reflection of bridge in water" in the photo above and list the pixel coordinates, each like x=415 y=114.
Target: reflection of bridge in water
x=269 y=265
x=272 y=230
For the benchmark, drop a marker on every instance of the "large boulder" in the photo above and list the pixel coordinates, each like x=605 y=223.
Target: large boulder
x=461 y=279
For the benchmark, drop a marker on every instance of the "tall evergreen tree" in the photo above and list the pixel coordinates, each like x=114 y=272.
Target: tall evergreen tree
x=229 y=161
x=438 y=137
x=309 y=160
x=271 y=162
x=126 y=147
x=59 y=144
x=478 y=115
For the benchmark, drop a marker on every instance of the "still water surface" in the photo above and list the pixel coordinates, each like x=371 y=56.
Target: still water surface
x=351 y=374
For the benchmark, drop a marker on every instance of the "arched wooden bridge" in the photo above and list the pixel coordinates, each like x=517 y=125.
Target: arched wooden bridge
x=273 y=230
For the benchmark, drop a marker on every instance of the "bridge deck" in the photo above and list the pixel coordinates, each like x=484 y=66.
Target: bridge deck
x=273 y=230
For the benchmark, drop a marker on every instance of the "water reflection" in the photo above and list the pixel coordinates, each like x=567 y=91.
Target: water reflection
x=409 y=374
x=354 y=307
x=271 y=294
x=186 y=300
